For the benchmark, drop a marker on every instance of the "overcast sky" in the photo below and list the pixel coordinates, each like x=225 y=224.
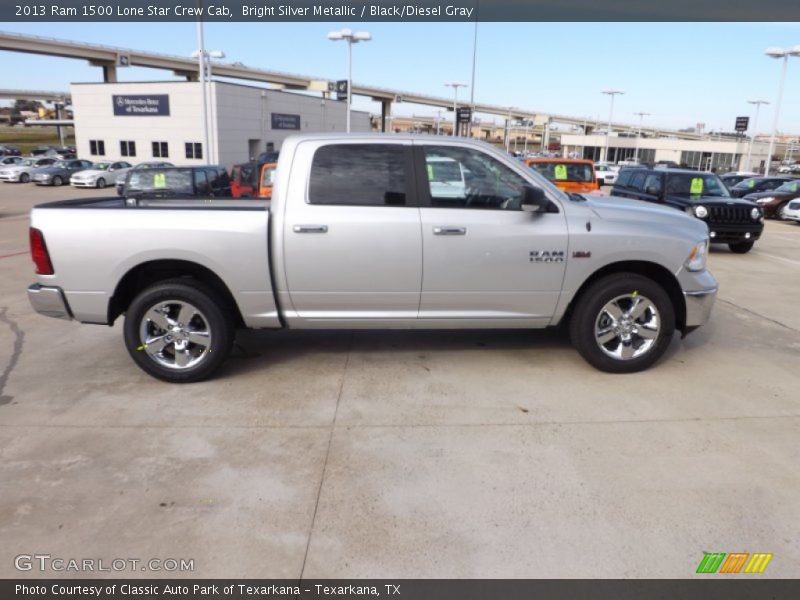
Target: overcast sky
x=681 y=73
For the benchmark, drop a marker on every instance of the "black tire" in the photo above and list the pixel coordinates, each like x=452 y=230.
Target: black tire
x=101 y=183
x=741 y=247
x=24 y=178
x=589 y=312
x=211 y=310
x=778 y=214
x=57 y=180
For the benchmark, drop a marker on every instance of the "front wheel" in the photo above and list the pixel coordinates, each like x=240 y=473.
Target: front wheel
x=622 y=323
x=24 y=178
x=101 y=183
x=741 y=247
x=57 y=180
x=178 y=332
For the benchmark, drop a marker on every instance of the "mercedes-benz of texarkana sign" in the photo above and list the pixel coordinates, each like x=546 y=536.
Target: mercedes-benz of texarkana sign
x=375 y=232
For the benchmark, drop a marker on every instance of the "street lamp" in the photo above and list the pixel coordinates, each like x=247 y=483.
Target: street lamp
x=204 y=65
x=508 y=129
x=783 y=53
x=641 y=116
x=611 y=93
x=758 y=103
x=351 y=38
x=455 y=85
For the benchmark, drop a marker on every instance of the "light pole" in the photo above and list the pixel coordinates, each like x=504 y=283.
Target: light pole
x=758 y=103
x=472 y=83
x=783 y=53
x=351 y=38
x=201 y=68
x=508 y=129
x=455 y=85
x=641 y=116
x=611 y=93
x=205 y=57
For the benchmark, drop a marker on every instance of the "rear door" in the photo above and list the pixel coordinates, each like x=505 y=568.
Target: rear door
x=352 y=241
x=484 y=259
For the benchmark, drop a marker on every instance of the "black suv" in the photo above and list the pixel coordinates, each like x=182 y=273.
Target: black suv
x=731 y=221
x=178 y=182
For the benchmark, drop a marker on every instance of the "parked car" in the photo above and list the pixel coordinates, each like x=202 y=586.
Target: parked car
x=10 y=160
x=59 y=172
x=791 y=212
x=568 y=174
x=120 y=181
x=731 y=179
x=8 y=150
x=731 y=221
x=243 y=183
x=606 y=174
x=795 y=168
x=772 y=203
x=21 y=172
x=41 y=150
x=345 y=246
x=100 y=174
x=178 y=182
x=758 y=184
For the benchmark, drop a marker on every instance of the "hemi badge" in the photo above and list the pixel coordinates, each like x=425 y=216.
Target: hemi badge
x=581 y=254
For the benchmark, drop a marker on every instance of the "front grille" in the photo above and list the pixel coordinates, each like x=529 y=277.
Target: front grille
x=729 y=214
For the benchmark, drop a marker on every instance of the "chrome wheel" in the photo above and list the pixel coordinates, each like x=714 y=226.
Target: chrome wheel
x=627 y=327
x=175 y=334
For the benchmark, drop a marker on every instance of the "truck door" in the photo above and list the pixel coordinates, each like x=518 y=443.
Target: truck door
x=485 y=259
x=352 y=242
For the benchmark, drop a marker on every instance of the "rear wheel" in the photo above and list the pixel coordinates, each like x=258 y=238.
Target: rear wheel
x=101 y=183
x=741 y=247
x=178 y=332
x=622 y=323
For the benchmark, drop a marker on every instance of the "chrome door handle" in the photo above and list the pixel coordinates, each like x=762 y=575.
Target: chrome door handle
x=442 y=230
x=310 y=229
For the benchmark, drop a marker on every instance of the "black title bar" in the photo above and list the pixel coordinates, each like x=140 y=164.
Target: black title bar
x=398 y=11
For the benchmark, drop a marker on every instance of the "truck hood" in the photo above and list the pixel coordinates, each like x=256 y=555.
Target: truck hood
x=707 y=200
x=624 y=209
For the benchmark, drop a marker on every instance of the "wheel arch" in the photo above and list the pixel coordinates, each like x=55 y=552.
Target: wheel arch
x=149 y=273
x=651 y=270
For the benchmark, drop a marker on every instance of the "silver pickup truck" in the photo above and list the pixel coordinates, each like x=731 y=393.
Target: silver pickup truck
x=376 y=232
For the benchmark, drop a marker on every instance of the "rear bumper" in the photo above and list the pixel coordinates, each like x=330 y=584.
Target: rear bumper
x=49 y=301
x=698 y=306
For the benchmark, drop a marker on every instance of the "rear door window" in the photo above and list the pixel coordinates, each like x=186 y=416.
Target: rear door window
x=359 y=175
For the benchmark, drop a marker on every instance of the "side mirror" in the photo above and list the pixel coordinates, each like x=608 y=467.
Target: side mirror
x=534 y=200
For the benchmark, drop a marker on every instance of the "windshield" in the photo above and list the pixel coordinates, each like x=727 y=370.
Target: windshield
x=101 y=166
x=696 y=184
x=28 y=162
x=61 y=164
x=790 y=187
x=747 y=184
x=151 y=180
x=564 y=171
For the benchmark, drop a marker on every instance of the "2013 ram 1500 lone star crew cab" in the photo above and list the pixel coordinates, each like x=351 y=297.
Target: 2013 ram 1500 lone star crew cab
x=360 y=233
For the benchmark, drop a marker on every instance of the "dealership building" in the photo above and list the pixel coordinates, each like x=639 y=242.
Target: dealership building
x=721 y=154
x=147 y=121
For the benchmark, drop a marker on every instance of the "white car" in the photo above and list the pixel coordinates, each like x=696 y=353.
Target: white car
x=606 y=174
x=21 y=172
x=100 y=175
x=791 y=212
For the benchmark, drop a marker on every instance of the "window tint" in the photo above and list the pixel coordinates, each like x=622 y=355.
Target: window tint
x=624 y=179
x=358 y=175
x=172 y=181
x=637 y=181
x=652 y=184
x=467 y=178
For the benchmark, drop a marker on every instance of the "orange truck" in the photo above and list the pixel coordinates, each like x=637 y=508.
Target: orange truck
x=568 y=174
x=266 y=179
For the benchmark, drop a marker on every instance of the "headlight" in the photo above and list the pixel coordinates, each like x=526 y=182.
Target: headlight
x=765 y=200
x=700 y=211
x=755 y=214
x=696 y=261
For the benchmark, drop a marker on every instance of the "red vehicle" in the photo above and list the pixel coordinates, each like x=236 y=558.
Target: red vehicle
x=243 y=184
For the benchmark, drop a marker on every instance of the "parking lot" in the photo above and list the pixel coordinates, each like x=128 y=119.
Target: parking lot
x=406 y=454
